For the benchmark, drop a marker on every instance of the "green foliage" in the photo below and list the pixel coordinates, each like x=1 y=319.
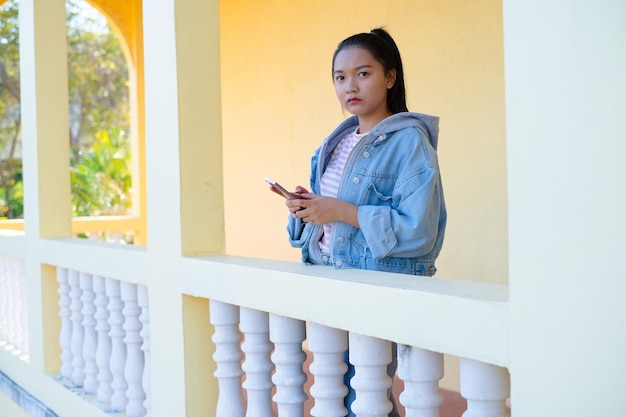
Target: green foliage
x=98 y=79
x=98 y=108
x=100 y=177
x=9 y=82
x=11 y=192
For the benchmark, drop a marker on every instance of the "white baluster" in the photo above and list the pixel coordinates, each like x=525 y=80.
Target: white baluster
x=257 y=366
x=117 y=237
x=134 y=358
x=118 y=349
x=144 y=317
x=225 y=319
x=16 y=306
x=103 y=349
x=370 y=357
x=288 y=335
x=65 y=337
x=421 y=370
x=4 y=301
x=24 y=345
x=7 y=303
x=90 y=384
x=76 y=344
x=328 y=346
x=486 y=388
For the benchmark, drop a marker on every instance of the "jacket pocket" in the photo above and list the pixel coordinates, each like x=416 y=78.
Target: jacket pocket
x=299 y=232
x=378 y=193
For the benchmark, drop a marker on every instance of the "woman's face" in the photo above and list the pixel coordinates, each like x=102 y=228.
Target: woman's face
x=361 y=84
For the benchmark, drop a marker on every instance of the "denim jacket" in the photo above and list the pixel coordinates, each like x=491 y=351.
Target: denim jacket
x=392 y=175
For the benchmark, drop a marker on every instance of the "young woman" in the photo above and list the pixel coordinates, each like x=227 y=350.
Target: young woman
x=376 y=200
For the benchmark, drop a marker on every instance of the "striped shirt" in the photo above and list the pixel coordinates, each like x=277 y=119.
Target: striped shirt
x=331 y=178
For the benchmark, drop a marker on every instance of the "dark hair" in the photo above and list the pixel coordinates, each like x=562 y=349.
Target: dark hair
x=384 y=50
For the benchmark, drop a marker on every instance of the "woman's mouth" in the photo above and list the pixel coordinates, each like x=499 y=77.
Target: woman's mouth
x=353 y=100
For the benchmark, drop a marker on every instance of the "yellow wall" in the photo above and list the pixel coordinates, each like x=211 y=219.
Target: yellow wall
x=279 y=103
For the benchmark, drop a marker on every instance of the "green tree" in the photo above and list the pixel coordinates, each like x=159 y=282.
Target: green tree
x=98 y=108
x=98 y=78
x=101 y=181
x=11 y=205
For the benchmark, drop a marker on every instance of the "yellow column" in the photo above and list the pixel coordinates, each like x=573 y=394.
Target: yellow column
x=45 y=139
x=45 y=119
x=200 y=126
x=201 y=186
x=184 y=192
x=138 y=120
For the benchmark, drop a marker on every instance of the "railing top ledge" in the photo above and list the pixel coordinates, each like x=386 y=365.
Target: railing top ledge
x=443 y=286
x=10 y=232
x=466 y=319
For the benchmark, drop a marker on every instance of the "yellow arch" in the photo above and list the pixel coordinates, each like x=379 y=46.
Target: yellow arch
x=125 y=19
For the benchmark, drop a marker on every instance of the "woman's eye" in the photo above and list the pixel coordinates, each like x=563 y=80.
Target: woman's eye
x=363 y=74
x=339 y=78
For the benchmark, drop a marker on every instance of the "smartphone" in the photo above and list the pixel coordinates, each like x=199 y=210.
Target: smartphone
x=276 y=186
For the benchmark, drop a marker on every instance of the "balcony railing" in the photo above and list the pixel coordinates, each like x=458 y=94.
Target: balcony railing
x=260 y=351
x=114 y=229
x=13 y=307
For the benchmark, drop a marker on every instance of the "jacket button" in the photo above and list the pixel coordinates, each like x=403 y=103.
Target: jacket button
x=339 y=263
x=366 y=154
x=356 y=180
x=340 y=239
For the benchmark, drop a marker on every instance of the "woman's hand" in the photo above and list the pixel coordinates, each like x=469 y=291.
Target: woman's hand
x=298 y=193
x=318 y=209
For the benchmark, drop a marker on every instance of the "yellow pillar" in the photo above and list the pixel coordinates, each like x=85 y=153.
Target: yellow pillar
x=138 y=124
x=201 y=178
x=184 y=191
x=200 y=126
x=45 y=118
x=45 y=141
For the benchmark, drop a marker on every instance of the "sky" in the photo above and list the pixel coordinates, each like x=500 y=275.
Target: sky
x=88 y=17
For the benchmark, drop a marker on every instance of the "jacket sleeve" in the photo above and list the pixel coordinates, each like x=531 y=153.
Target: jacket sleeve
x=409 y=226
x=295 y=228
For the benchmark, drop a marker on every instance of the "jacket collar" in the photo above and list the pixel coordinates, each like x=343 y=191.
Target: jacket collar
x=427 y=123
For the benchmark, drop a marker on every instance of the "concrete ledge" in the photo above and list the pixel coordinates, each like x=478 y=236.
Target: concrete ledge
x=15 y=401
x=9 y=408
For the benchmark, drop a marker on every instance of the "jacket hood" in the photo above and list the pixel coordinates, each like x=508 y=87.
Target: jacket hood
x=427 y=123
